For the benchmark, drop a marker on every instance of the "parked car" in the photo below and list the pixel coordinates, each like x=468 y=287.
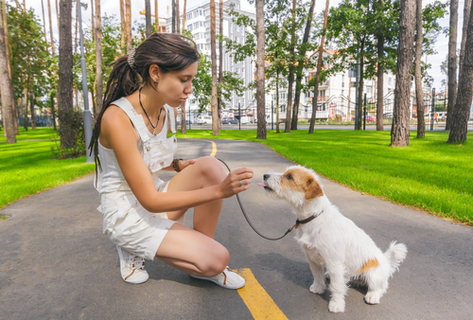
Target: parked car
x=204 y=120
x=370 y=118
x=388 y=116
x=229 y=120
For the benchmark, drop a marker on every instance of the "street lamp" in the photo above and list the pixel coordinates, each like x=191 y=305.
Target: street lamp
x=85 y=92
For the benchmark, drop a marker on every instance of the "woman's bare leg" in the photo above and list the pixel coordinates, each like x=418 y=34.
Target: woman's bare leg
x=207 y=171
x=192 y=252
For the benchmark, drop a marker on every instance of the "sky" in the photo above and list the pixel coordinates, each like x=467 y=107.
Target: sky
x=110 y=7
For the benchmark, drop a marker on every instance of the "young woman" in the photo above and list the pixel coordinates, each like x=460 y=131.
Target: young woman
x=131 y=145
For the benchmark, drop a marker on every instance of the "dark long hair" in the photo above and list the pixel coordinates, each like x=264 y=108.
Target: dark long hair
x=169 y=51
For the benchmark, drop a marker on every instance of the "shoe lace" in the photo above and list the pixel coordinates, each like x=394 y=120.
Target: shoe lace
x=135 y=262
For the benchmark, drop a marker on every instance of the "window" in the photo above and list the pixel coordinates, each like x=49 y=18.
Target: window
x=196 y=36
x=201 y=24
x=189 y=27
x=200 y=12
x=196 y=25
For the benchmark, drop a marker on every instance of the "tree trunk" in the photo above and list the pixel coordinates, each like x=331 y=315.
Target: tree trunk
x=16 y=120
x=57 y=16
x=317 y=72
x=122 y=26
x=76 y=31
x=213 y=57
x=400 y=127
x=98 y=56
x=260 y=40
x=44 y=23
x=129 y=43
x=461 y=112
x=184 y=16
x=290 y=78
x=173 y=16
x=277 y=101
x=178 y=16
x=380 y=86
x=33 y=114
x=452 y=61
x=148 y=18
x=64 y=95
x=300 y=67
x=6 y=90
x=156 y=20
x=53 y=53
x=183 y=105
x=418 y=72
x=466 y=18
x=360 y=85
x=220 y=61
x=92 y=16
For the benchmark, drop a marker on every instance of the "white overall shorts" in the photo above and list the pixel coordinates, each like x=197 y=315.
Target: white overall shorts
x=125 y=221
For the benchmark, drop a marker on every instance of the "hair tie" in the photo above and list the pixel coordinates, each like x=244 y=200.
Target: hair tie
x=131 y=59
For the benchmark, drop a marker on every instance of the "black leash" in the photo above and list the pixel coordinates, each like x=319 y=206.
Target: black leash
x=295 y=226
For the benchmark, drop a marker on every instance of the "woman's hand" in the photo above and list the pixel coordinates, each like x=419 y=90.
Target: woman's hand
x=236 y=181
x=185 y=163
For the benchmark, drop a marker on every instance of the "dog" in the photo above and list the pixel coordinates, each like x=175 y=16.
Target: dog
x=332 y=241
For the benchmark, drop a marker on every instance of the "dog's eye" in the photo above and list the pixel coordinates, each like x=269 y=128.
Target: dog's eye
x=289 y=176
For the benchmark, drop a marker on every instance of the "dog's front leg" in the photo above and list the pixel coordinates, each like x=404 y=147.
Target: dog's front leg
x=319 y=278
x=338 y=287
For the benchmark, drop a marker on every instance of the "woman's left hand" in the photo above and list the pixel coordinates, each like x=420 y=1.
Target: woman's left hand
x=185 y=163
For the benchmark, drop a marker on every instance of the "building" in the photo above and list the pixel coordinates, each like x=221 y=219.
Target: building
x=197 y=21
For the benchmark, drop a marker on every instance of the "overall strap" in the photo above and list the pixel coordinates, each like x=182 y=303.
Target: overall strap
x=171 y=117
x=135 y=118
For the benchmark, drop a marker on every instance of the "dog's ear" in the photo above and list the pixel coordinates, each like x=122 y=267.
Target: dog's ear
x=313 y=189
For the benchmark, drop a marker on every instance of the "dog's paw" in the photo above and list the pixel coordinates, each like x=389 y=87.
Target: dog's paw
x=372 y=297
x=317 y=288
x=336 y=306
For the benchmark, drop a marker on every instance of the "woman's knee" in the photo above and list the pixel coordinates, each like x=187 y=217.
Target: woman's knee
x=211 y=169
x=216 y=263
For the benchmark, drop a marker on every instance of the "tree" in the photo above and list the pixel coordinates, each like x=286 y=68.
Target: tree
x=401 y=125
x=466 y=18
x=302 y=63
x=148 y=18
x=64 y=97
x=156 y=20
x=123 y=25
x=54 y=76
x=213 y=59
x=317 y=72
x=418 y=71
x=461 y=111
x=260 y=102
x=129 y=43
x=220 y=56
x=98 y=56
x=452 y=61
x=6 y=89
x=287 y=127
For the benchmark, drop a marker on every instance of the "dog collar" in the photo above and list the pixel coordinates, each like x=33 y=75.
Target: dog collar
x=309 y=219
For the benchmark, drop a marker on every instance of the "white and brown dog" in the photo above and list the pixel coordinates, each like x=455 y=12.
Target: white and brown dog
x=333 y=241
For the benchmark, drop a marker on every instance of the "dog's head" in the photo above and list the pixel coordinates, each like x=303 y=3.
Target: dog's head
x=296 y=185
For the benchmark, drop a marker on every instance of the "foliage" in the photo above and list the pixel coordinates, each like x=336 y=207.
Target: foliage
x=30 y=60
x=72 y=130
x=429 y=175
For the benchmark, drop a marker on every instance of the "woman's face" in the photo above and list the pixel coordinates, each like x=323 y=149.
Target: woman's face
x=175 y=86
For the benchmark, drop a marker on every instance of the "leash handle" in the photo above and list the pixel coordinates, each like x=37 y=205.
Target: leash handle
x=248 y=220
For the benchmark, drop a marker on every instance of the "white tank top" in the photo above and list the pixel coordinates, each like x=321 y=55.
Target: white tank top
x=157 y=151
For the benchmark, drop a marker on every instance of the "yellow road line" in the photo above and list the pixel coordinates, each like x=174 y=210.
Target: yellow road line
x=257 y=300
x=214 y=149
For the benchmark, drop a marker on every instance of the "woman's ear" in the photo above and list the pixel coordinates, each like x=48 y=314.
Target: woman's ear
x=154 y=72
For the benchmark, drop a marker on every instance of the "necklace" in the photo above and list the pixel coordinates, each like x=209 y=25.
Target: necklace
x=159 y=115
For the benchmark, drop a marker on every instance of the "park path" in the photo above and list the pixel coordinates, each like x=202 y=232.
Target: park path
x=56 y=264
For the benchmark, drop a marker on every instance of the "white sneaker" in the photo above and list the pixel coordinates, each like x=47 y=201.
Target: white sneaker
x=132 y=267
x=228 y=279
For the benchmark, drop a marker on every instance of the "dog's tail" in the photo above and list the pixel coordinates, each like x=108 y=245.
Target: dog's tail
x=395 y=254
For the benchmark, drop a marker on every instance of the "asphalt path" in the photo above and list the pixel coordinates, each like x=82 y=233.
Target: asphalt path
x=56 y=264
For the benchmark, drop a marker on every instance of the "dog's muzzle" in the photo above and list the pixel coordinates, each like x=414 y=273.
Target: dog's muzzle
x=265 y=183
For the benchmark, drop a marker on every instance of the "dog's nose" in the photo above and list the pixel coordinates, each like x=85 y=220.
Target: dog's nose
x=266 y=177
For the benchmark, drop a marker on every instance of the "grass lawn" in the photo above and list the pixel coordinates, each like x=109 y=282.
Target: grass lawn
x=429 y=174
x=29 y=167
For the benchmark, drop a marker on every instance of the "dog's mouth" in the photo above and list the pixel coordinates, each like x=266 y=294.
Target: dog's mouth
x=266 y=187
